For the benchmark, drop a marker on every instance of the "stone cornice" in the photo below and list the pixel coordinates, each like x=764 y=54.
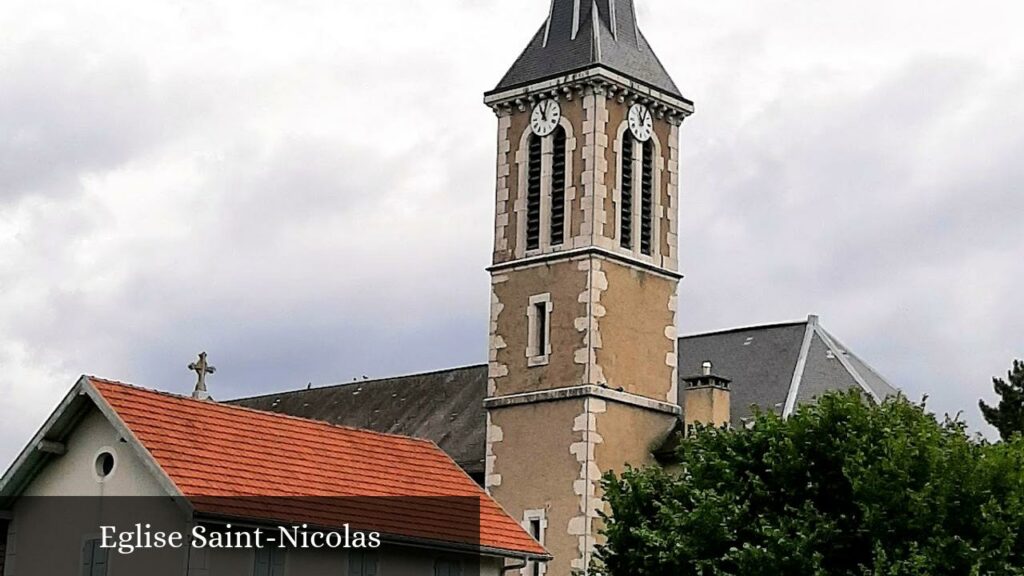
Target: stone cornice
x=600 y=80
x=584 y=252
x=586 y=391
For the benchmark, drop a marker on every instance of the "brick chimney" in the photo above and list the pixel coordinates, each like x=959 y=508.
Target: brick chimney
x=706 y=399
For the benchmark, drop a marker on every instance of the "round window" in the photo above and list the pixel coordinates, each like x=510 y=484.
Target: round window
x=104 y=465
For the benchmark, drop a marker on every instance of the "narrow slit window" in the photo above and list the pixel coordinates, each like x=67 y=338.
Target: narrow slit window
x=626 y=204
x=533 y=195
x=535 y=531
x=647 y=200
x=535 y=523
x=538 y=347
x=558 y=169
x=541 y=312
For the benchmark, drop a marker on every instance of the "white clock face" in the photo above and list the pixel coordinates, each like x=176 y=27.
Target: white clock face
x=545 y=118
x=641 y=122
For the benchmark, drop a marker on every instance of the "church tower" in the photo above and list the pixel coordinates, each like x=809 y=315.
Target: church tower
x=582 y=376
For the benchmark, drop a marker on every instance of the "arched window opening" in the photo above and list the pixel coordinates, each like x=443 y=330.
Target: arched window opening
x=647 y=200
x=533 y=195
x=626 y=204
x=558 y=187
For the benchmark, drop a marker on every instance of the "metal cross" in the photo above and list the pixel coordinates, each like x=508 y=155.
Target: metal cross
x=201 y=368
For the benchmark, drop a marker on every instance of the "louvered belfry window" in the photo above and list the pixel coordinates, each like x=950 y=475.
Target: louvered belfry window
x=533 y=194
x=558 y=168
x=647 y=200
x=626 y=205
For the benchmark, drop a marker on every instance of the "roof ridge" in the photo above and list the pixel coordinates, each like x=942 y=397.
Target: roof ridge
x=745 y=329
x=842 y=354
x=370 y=381
x=265 y=413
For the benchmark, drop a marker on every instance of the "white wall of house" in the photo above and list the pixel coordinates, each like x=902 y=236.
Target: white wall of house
x=74 y=473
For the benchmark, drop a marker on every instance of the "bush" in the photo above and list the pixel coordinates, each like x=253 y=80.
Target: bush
x=843 y=487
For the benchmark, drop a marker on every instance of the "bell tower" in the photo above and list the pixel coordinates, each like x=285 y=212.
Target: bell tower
x=582 y=367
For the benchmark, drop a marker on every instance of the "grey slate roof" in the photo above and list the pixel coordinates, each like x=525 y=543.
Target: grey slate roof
x=581 y=34
x=446 y=407
x=774 y=367
x=759 y=361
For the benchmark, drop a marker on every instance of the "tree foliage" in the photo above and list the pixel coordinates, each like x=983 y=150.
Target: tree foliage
x=844 y=487
x=1008 y=416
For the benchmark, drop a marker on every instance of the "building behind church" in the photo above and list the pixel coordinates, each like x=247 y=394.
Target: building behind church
x=585 y=371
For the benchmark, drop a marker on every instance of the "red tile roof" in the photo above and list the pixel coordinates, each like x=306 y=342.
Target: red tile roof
x=217 y=455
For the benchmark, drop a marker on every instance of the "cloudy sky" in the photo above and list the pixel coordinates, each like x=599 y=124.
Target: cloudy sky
x=304 y=187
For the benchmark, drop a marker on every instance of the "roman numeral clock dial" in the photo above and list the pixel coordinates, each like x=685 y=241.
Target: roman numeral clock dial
x=641 y=122
x=545 y=118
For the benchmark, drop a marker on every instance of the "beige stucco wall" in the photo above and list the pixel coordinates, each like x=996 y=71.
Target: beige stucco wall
x=565 y=282
x=538 y=471
x=707 y=405
x=630 y=434
x=551 y=456
x=638 y=331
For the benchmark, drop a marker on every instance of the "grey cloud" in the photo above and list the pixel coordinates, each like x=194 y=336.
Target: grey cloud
x=236 y=207
x=872 y=210
x=65 y=114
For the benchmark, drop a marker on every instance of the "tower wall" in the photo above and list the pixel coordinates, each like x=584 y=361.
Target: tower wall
x=638 y=347
x=603 y=391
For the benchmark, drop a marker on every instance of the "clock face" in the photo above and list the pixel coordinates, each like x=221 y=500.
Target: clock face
x=641 y=122
x=545 y=118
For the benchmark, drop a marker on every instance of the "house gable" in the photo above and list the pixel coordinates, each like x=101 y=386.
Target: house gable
x=75 y=472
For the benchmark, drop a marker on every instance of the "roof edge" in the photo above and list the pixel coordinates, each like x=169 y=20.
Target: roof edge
x=65 y=417
x=29 y=455
x=840 y=354
x=744 y=329
x=344 y=384
x=545 y=83
x=230 y=406
x=148 y=460
x=801 y=365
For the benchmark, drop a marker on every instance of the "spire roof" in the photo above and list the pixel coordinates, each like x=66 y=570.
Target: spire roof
x=581 y=34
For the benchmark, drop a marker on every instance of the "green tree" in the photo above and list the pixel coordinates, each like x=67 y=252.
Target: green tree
x=843 y=487
x=1008 y=416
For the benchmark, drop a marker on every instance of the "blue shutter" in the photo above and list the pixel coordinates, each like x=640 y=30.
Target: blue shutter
x=94 y=559
x=626 y=193
x=99 y=560
x=558 y=187
x=87 y=552
x=277 y=561
x=261 y=567
x=533 y=194
x=647 y=200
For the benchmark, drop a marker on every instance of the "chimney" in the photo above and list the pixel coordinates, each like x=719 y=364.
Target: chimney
x=706 y=399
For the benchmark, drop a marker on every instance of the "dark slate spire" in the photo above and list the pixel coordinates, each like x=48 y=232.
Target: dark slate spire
x=580 y=34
